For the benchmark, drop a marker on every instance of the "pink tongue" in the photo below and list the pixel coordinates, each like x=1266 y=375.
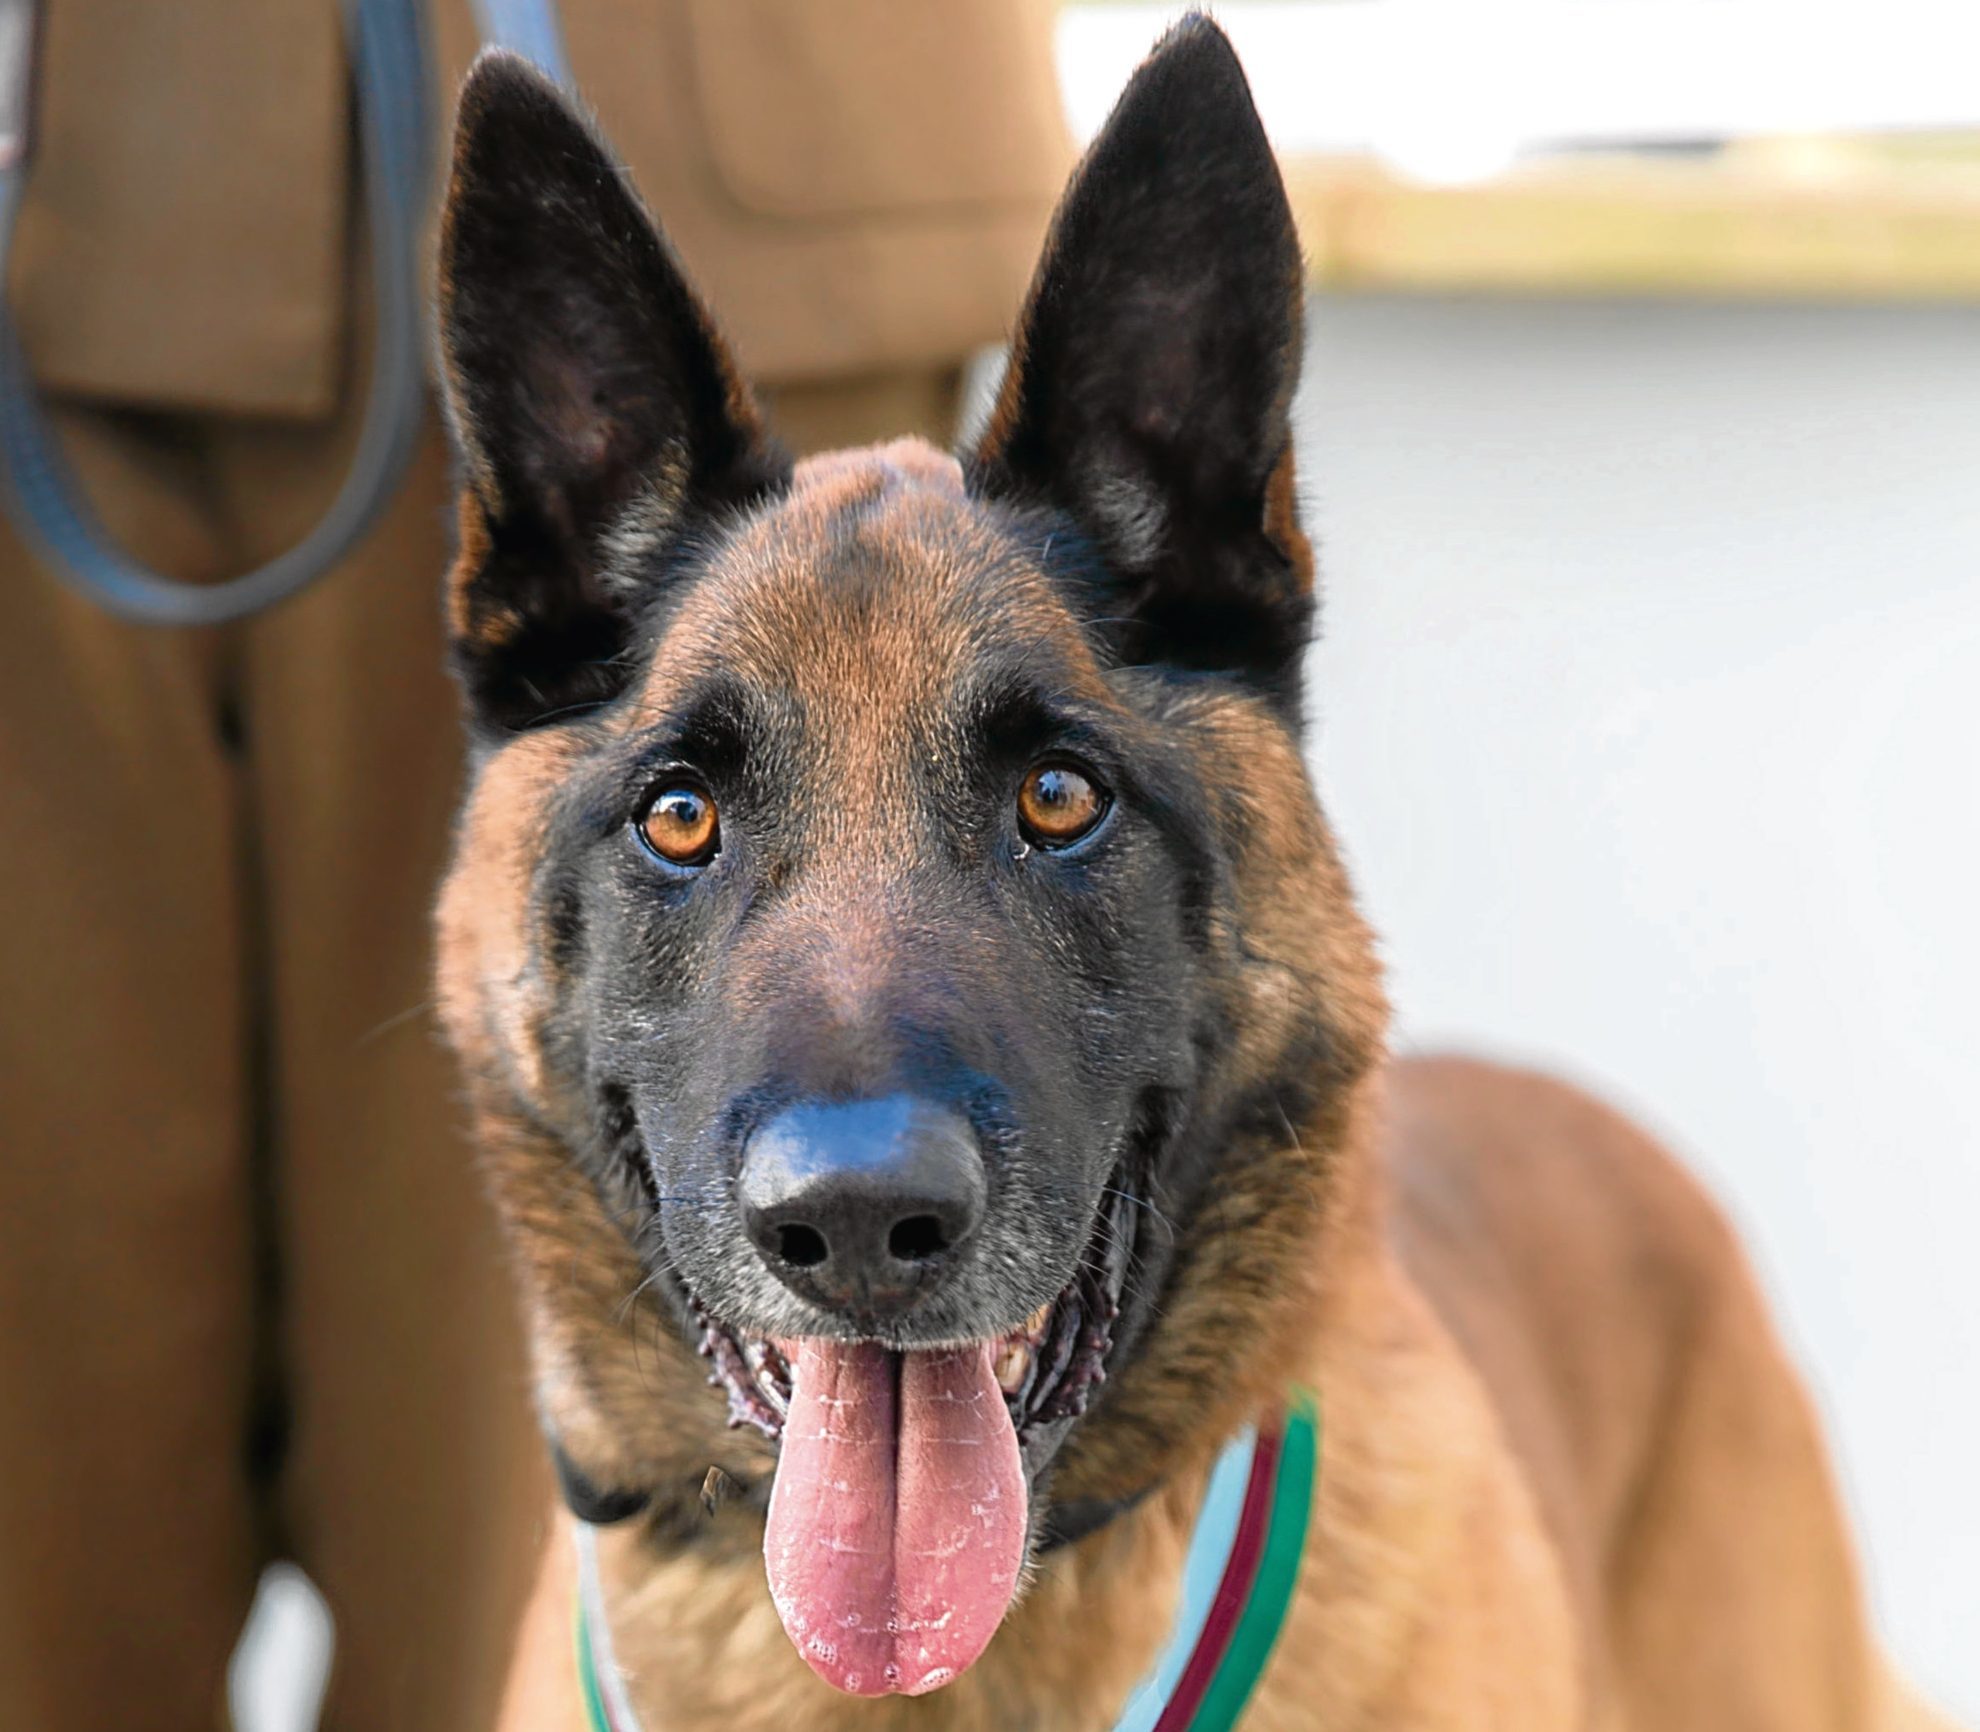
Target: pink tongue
x=897 y=1518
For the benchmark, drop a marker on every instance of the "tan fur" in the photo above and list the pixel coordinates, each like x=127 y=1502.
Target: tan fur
x=1569 y=1480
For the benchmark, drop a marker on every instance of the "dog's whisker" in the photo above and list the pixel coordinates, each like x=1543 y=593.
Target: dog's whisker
x=632 y=1299
x=398 y=1019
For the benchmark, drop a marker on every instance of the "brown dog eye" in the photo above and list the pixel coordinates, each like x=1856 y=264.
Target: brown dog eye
x=681 y=826
x=1058 y=804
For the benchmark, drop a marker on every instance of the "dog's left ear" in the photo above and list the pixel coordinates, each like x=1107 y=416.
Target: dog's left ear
x=1151 y=380
x=598 y=413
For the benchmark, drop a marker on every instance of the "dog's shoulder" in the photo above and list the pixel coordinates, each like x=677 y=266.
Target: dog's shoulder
x=1606 y=1307
x=1502 y=1161
x=1571 y=1257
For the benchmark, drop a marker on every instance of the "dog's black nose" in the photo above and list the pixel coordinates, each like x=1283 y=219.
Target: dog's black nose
x=860 y=1205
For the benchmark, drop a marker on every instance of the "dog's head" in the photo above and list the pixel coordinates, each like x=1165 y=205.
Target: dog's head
x=891 y=937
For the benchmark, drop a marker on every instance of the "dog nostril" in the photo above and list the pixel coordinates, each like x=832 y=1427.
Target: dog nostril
x=864 y=1205
x=801 y=1247
x=917 y=1239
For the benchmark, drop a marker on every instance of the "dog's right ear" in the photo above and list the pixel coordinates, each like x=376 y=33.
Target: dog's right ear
x=597 y=412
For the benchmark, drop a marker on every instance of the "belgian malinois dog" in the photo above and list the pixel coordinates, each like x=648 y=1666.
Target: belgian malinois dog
x=932 y=1069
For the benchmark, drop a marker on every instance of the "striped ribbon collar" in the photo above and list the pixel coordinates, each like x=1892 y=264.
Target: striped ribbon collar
x=1238 y=1580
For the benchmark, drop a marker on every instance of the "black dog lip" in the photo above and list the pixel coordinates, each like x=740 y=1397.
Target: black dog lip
x=589 y=1502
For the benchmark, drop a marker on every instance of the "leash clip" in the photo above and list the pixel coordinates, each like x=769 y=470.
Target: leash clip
x=20 y=60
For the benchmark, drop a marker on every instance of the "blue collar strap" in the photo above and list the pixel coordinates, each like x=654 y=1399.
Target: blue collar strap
x=1238 y=1581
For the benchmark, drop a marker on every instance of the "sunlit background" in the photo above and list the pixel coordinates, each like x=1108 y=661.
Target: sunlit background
x=1641 y=435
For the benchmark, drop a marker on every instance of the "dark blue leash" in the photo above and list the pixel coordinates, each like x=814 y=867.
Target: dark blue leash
x=395 y=132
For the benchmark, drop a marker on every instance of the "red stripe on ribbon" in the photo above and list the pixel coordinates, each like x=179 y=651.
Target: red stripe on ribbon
x=1240 y=1570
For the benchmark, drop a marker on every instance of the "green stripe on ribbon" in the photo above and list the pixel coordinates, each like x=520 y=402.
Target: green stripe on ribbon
x=594 y=1704
x=1272 y=1588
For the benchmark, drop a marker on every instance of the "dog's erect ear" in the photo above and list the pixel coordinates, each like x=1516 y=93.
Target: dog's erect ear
x=1151 y=381
x=597 y=411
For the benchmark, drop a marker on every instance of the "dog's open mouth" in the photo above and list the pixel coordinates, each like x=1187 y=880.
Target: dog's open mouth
x=1046 y=1369
x=900 y=1511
